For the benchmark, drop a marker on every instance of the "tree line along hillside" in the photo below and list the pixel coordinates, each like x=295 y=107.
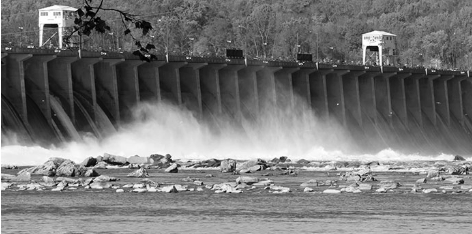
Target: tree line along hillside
x=430 y=33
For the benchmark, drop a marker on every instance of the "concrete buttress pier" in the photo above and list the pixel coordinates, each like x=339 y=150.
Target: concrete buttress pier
x=149 y=82
x=190 y=87
x=128 y=87
x=229 y=91
x=210 y=90
x=60 y=81
x=248 y=91
x=106 y=81
x=83 y=79
x=410 y=110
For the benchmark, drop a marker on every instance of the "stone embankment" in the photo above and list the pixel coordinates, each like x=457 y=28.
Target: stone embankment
x=274 y=176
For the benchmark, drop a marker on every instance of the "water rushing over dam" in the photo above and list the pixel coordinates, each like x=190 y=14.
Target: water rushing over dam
x=52 y=97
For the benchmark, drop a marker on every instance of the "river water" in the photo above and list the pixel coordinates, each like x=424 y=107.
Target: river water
x=253 y=211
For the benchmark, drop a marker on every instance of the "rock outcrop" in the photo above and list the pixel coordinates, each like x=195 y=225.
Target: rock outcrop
x=139 y=160
x=115 y=159
x=228 y=166
x=89 y=162
x=161 y=160
x=174 y=168
x=141 y=173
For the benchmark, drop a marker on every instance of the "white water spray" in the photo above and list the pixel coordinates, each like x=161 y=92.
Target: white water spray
x=162 y=128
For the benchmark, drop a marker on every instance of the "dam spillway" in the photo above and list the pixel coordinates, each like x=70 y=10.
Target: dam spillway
x=51 y=96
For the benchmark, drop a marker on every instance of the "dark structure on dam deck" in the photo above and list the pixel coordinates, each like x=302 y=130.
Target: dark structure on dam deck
x=49 y=97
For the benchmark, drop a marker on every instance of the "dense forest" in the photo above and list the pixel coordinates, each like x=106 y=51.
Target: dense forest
x=430 y=33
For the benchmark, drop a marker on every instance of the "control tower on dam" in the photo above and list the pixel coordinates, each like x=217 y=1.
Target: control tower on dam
x=51 y=96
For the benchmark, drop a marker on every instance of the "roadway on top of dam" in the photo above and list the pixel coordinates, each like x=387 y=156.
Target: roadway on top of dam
x=236 y=61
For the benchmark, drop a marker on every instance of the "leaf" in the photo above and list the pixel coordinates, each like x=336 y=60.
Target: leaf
x=150 y=46
x=80 y=12
x=146 y=27
x=127 y=31
x=90 y=14
x=77 y=21
x=86 y=32
x=88 y=8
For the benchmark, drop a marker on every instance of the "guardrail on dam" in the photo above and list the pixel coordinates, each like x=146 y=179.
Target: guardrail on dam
x=48 y=97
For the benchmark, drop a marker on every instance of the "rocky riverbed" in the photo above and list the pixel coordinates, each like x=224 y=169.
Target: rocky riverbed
x=279 y=175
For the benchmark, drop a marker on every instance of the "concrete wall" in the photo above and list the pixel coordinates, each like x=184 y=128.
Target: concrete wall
x=375 y=102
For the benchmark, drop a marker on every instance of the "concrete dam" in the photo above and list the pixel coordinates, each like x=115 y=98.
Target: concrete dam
x=49 y=97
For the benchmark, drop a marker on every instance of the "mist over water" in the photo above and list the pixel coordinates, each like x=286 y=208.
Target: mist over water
x=163 y=128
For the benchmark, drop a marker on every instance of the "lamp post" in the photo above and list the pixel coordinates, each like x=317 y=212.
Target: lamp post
x=421 y=59
x=317 y=45
x=21 y=36
x=332 y=53
x=191 y=41
x=112 y=46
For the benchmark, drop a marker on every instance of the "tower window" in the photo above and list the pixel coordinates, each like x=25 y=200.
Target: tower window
x=44 y=14
x=56 y=13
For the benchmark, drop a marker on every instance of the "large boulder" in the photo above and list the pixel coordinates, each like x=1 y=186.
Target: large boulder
x=66 y=180
x=251 y=169
x=161 y=160
x=459 y=158
x=89 y=162
x=310 y=183
x=247 y=180
x=388 y=184
x=303 y=161
x=139 y=160
x=67 y=168
x=364 y=186
x=455 y=180
x=26 y=176
x=21 y=177
x=48 y=180
x=6 y=185
x=169 y=189
x=280 y=159
x=47 y=169
x=141 y=173
x=207 y=163
x=91 y=173
x=252 y=163
x=115 y=159
x=101 y=165
x=432 y=173
x=105 y=178
x=56 y=161
x=228 y=165
x=80 y=170
x=31 y=170
x=174 y=168
x=100 y=185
